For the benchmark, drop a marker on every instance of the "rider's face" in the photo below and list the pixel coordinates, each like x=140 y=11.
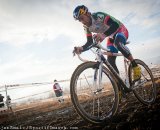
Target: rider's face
x=85 y=19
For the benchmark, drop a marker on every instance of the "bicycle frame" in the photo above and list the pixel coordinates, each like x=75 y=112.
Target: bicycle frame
x=102 y=60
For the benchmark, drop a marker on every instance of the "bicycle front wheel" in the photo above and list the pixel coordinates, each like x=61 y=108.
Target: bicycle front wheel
x=94 y=99
x=145 y=88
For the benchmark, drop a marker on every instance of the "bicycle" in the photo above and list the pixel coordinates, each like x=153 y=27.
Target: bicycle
x=96 y=84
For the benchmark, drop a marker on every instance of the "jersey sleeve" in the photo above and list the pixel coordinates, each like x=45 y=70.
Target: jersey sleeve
x=89 y=38
x=87 y=32
x=106 y=19
x=113 y=27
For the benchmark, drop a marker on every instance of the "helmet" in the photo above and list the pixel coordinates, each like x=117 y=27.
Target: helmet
x=79 y=10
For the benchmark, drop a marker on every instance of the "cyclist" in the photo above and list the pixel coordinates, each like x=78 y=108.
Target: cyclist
x=1 y=101
x=100 y=25
x=8 y=102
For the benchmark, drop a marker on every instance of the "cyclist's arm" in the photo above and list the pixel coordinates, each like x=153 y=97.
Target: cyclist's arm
x=89 y=39
x=113 y=25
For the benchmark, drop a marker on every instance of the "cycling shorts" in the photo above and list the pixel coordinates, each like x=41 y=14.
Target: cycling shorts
x=110 y=41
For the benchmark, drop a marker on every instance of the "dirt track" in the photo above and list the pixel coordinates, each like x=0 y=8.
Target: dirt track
x=131 y=115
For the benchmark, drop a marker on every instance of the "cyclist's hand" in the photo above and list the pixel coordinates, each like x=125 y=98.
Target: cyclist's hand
x=99 y=37
x=77 y=50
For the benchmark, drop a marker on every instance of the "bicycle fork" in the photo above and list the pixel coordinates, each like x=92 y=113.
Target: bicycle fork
x=97 y=88
x=98 y=74
x=100 y=69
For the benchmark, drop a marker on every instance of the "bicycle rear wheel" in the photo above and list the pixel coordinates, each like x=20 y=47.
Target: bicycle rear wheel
x=92 y=102
x=145 y=88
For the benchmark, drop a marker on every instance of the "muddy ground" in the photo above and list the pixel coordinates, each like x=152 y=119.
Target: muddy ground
x=131 y=115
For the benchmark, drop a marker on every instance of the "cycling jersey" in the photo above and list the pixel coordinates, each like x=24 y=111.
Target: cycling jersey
x=106 y=24
x=101 y=23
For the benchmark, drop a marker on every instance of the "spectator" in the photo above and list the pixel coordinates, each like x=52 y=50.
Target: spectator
x=1 y=101
x=58 y=91
x=8 y=102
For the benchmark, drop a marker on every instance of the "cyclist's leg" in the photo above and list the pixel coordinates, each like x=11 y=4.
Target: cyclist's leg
x=120 y=41
x=112 y=59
